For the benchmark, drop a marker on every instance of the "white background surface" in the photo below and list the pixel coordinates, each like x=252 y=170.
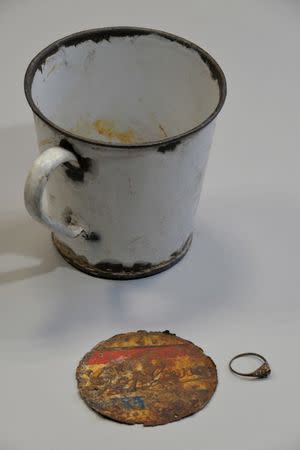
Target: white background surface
x=238 y=288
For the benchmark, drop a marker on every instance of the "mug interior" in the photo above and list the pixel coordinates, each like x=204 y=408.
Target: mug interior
x=125 y=88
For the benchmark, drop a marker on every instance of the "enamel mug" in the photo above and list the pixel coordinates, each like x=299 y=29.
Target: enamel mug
x=124 y=119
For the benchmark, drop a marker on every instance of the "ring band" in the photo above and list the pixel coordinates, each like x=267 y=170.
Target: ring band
x=261 y=372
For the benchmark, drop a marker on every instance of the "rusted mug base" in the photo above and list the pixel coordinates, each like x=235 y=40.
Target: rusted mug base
x=118 y=271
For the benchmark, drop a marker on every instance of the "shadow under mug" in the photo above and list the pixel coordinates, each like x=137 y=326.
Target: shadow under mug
x=124 y=118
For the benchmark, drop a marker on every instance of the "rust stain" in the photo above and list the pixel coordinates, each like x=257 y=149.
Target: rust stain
x=117 y=270
x=49 y=141
x=162 y=130
x=67 y=216
x=144 y=377
x=107 y=129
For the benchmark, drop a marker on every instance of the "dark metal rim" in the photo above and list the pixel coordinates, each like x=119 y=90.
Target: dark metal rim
x=99 y=34
x=256 y=373
x=98 y=273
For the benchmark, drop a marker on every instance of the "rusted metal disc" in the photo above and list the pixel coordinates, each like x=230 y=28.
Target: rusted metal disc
x=144 y=377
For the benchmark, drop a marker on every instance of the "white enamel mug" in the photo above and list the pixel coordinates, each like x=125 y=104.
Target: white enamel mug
x=124 y=119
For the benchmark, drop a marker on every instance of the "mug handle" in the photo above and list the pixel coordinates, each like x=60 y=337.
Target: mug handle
x=35 y=185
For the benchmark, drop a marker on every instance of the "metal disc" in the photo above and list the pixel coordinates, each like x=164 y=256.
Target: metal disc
x=144 y=377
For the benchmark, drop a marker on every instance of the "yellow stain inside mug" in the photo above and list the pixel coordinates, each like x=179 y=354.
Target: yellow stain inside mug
x=107 y=129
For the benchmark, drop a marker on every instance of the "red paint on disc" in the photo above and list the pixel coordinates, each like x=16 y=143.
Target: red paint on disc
x=146 y=377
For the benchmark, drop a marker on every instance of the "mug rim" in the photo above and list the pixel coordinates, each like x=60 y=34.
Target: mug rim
x=98 y=34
